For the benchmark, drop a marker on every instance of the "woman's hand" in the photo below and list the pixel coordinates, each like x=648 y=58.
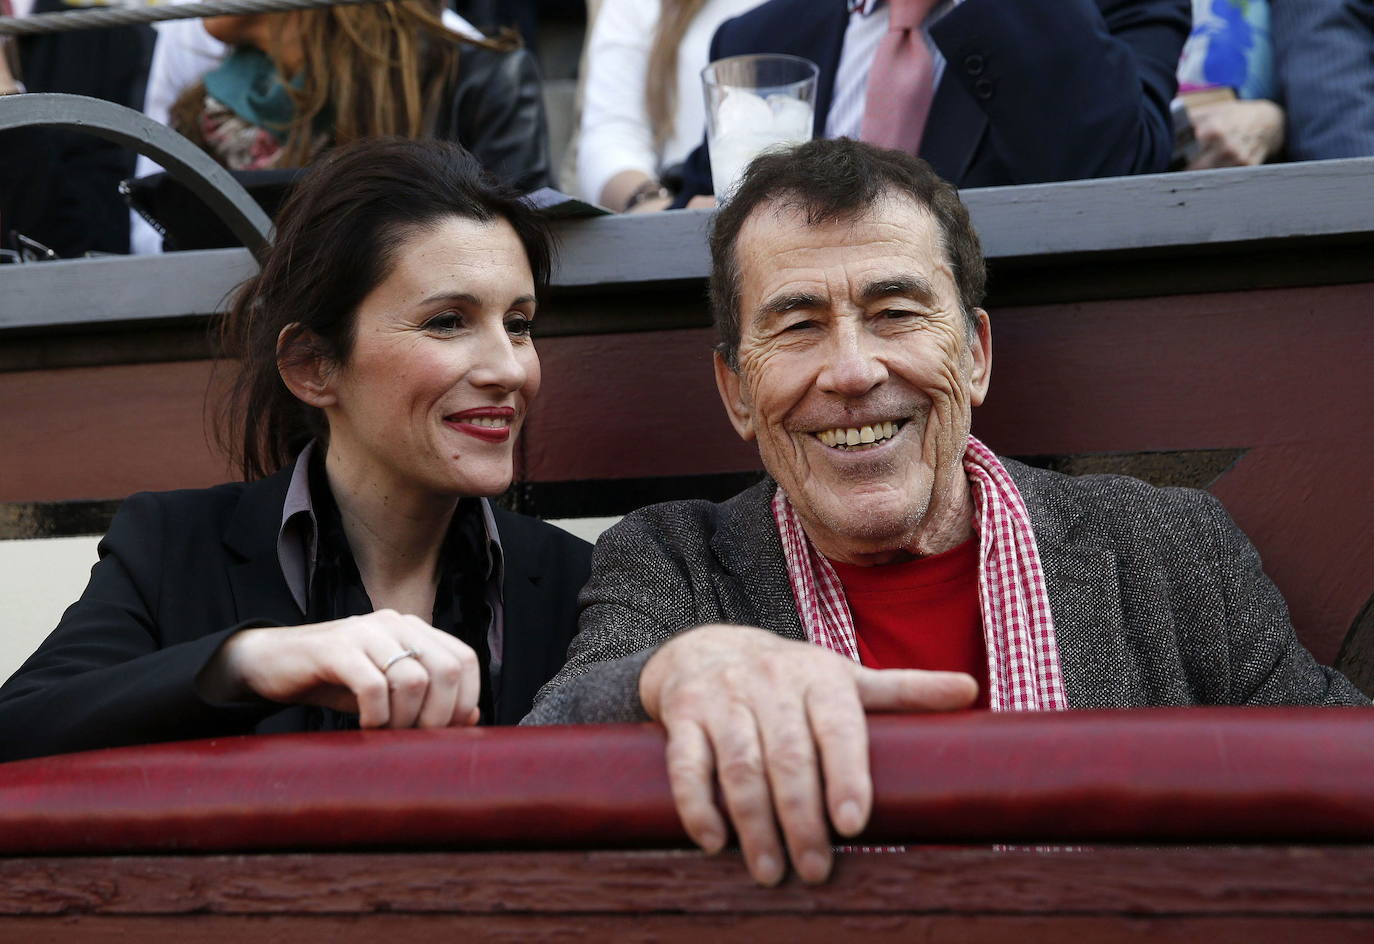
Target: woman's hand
x=359 y=664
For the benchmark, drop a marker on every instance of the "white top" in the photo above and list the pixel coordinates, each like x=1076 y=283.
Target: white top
x=615 y=134
x=183 y=54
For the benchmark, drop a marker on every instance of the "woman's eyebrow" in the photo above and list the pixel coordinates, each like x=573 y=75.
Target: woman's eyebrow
x=467 y=298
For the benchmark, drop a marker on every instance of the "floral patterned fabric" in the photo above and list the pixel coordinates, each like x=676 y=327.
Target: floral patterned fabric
x=1229 y=48
x=248 y=111
x=236 y=143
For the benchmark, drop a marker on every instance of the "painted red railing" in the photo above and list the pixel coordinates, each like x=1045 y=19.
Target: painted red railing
x=1165 y=775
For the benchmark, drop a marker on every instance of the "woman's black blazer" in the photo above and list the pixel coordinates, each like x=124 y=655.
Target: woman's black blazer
x=180 y=571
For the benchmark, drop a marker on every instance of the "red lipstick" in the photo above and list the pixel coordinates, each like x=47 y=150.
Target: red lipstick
x=491 y=424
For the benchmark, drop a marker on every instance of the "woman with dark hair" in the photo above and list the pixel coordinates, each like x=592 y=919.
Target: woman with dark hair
x=360 y=575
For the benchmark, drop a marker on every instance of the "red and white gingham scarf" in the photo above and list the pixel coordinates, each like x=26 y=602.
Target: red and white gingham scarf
x=1023 y=655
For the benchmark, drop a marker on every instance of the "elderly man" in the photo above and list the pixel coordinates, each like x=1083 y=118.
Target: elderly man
x=892 y=562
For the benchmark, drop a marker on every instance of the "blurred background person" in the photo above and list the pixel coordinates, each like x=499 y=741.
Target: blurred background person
x=989 y=92
x=642 y=109
x=272 y=90
x=527 y=17
x=61 y=188
x=1324 y=60
x=1227 y=88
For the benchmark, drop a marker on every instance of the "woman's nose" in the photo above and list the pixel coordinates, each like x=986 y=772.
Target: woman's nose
x=500 y=364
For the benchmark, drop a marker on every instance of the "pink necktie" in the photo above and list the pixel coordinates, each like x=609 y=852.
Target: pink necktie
x=901 y=80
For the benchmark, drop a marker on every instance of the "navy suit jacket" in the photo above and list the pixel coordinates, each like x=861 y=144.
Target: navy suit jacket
x=1324 y=61
x=180 y=571
x=1032 y=91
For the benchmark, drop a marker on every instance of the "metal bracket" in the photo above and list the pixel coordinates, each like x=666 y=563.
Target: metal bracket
x=222 y=194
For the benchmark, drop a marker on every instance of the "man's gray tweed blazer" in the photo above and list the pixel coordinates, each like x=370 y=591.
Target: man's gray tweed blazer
x=1157 y=598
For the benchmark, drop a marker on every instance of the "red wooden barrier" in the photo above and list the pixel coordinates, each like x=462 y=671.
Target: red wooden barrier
x=391 y=801
x=1171 y=775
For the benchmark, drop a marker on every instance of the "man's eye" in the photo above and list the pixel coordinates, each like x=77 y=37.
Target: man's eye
x=800 y=326
x=518 y=326
x=445 y=323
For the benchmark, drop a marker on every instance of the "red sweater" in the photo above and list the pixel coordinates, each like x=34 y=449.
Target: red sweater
x=922 y=614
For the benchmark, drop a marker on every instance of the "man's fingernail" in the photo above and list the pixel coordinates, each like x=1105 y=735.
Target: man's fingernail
x=711 y=842
x=813 y=867
x=767 y=870
x=850 y=820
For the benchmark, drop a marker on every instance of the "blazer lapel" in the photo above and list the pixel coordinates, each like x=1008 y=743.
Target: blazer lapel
x=1085 y=601
x=953 y=131
x=525 y=604
x=260 y=590
x=1082 y=575
x=747 y=544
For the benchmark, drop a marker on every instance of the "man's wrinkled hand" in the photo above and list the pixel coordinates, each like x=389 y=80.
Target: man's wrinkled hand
x=781 y=725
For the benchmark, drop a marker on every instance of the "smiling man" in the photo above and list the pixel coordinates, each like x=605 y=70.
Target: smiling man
x=891 y=561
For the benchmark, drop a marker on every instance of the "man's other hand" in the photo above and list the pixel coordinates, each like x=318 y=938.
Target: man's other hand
x=781 y=724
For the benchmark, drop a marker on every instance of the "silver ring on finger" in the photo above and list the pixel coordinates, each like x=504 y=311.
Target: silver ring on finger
x=404 y=654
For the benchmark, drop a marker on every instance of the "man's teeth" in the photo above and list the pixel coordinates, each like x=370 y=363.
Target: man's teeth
x=491 y=422
x=858 y=435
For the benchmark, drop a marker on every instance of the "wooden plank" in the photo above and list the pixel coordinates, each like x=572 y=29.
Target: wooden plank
x=108 y=289
x=1329 y=881
x=1123 y=221
x=694 y=929
x=106 y=432
x=1280 y=375
x=1157 y=211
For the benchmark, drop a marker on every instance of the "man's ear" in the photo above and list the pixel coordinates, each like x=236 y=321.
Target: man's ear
x=980 y=346
x=303 y=366
x=732 y=394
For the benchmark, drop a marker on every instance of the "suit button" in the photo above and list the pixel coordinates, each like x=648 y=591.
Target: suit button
x=974 y=64
x=983 y=88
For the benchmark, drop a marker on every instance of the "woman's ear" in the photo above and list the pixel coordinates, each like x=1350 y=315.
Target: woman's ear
x=305 y=369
